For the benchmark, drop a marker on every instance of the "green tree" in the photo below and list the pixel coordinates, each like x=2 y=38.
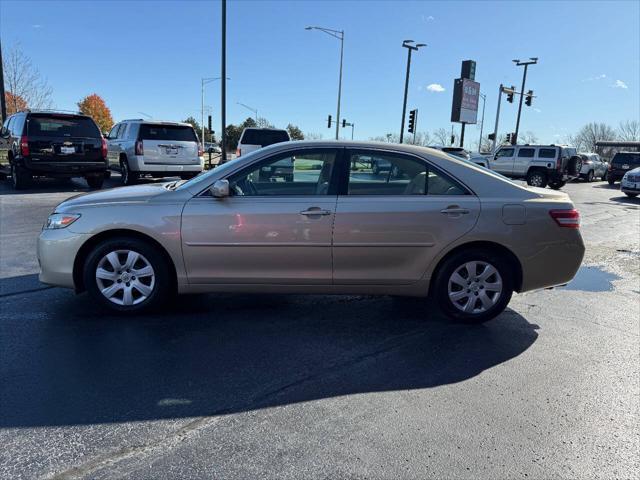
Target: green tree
x=294 y=132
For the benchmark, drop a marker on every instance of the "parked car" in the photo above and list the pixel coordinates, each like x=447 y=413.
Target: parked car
x=448 y=229
x=455 y=151
x=630 y=184
x=593 y=167
x=52 y=144
x=540 y=165
x=254 y=138
x=479 y=159
x=154 y=148
x=620 y=164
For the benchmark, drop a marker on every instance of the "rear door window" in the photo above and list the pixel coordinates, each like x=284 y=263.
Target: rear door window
x=114 y=131
x=547 y=153
x=264 y=138
x=177 y=133
x=526 y=152
x=62 y=126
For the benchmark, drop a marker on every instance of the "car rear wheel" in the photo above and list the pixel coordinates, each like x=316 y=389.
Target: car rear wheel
x=590 y=176
x=473 y=286
x=631 y=195
x=128 y=177
x=20 y=177
x=557 y=185
x=537 y=178
x=127 y=275
x=95 y=181
x=611 y=180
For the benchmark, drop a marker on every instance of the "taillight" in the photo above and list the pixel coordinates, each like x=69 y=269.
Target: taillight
x=566 y=218
x=200 y=150
x=238 y=152
x=610 y=167
x=24 y=146
x=104 y=149
x=139 y=149
x=559 y=163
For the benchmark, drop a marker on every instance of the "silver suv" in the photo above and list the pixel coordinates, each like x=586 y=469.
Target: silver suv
x=540 y=165
x=157 y=149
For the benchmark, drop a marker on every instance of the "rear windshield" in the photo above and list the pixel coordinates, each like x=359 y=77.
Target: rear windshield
x=627 y=157
x=264 y=137
x=62 y=126
x=459 y=152
x=178 y=133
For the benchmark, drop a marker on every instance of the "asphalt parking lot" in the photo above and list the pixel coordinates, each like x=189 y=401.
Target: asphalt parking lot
x=234 y=386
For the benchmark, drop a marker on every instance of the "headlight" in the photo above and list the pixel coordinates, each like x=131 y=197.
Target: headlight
x=60 y=220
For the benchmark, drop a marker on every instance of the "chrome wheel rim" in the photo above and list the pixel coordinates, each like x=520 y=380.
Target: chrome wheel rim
x=125 y=173
x=536 y=180
x=475 y=287
x=125 y=277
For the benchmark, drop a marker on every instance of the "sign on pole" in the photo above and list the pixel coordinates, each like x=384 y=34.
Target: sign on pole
x=466 y=95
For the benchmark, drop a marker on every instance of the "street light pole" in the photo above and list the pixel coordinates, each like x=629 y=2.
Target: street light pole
x=3 y=105
x=407 y=44
x=495 y=129
x=484 y=99
x=532 y=61
x=223 y=89
x=339 y=34
x=254 y=110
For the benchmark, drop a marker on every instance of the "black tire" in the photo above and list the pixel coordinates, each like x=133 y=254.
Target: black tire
x=574 y=166
x=128 y=177
x=610 y=180
x=20 y=177
x=95 y=182
x=604 y=176
x=440 y=289
x=557 y=185
x=537 y=178
x=590 y=176
x=163 y=287
x=631 y=195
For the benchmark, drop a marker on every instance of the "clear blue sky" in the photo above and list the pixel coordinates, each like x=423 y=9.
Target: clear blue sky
x=150 y=57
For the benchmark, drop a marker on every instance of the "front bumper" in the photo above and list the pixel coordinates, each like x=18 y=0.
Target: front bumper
x=57 y=251
x=630 y=187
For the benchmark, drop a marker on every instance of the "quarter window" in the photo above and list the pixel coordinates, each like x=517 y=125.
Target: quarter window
x=505 y=152
x=547 y=153
x=114 y=131
x=302 y=172
x=374 y=173
x=526 y=153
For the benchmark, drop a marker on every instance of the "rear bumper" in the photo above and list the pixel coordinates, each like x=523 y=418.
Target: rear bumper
x=57 y=250
x=62 y=169
x=138 y=164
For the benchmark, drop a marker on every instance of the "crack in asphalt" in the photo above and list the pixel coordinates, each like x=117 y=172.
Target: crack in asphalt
x=190 y=428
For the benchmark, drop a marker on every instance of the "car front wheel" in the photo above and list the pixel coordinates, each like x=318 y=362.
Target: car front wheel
x=631 y=195
x=127 y=275
x=537 y=178
x=473 y=286
x=128 y=177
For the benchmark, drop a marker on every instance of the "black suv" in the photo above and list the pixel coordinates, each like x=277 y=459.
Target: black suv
x=620 y=164
x=52 y=144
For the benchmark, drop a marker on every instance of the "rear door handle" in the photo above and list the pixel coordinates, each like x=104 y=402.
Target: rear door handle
x=315 y=211
x=454 y=211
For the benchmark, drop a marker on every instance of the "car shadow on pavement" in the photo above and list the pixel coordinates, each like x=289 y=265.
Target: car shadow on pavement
x=626 y=199
x=66 y=362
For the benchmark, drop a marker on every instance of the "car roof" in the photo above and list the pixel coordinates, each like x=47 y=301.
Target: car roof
x=155 y=122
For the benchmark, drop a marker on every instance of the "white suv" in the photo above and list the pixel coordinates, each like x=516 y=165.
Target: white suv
x=540 y=165
x=157 y=149
x=254 y=138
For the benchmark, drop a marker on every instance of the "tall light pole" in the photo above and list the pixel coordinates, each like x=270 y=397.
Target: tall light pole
x=223 y=83
x=484 y=99
x=408 y=45
x=3 y=106
x=531 y=61
x=254 y=110
x=204 y=82
x=339 y=34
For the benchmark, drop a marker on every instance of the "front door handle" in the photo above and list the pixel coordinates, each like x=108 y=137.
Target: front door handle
x=454 y=211
x=315 y=211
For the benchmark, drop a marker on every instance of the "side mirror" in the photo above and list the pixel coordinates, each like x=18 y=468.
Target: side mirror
x=220 y=189
x=4 y=132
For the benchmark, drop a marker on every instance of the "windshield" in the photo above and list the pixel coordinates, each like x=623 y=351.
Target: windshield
x=263 y=138
x=177 y=133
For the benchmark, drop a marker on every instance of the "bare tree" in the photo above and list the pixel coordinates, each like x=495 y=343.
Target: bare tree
x=629 y=131
x=441 y=136
x=422 y=138
x=590 y=134
x=24 y=81
x=388 y=138
x=529 y=137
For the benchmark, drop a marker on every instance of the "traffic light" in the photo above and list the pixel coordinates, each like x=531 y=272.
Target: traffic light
x=510 y=94
x=412 y=121
x=344 y=123
x=209 y=120
x=508 y=138
x=491 y=136
x=529 y=98
x=329 y=122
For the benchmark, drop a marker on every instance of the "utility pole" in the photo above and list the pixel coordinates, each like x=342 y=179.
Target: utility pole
x=484 y=99
x=407 y=44
x=532 y=61
x=462 y=135
x=495 y=129
x=223 y=83
x=3 y=105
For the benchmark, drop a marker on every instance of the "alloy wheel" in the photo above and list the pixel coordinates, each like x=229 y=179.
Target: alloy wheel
x=125 y=277
x=475 y=287
x=536 y=180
